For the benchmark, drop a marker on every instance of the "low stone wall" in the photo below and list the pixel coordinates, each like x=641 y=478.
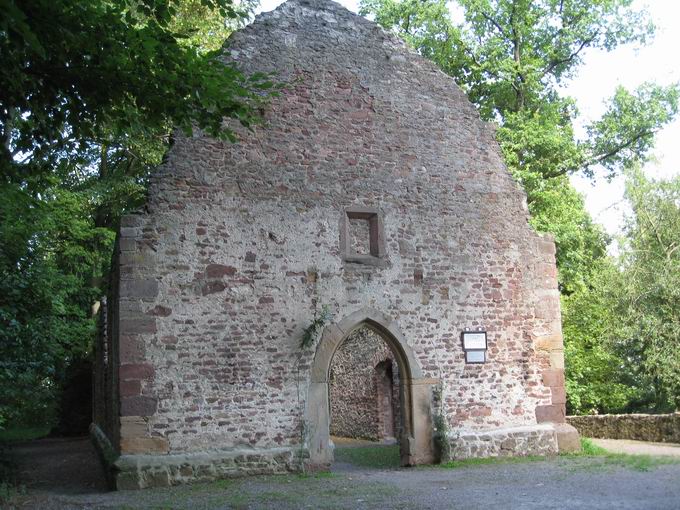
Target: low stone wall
x=660 y=428
x=510 y=442
x=142 y=471
x=126 y=472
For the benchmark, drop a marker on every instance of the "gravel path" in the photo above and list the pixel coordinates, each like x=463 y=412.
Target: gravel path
x=63 y=474
x=639 y=447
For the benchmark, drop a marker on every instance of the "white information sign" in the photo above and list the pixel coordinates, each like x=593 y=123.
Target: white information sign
x=475 y=356
x=474 y=341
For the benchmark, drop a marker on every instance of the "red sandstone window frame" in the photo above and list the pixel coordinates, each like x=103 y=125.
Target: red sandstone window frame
x=376 y=257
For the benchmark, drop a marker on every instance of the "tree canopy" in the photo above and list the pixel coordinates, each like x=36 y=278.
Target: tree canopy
x=89 y=95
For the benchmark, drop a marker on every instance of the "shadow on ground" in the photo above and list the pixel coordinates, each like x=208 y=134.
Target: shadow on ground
x=65 y=474
x=58 y=466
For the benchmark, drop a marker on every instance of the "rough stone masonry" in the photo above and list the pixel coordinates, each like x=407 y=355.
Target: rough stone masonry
x=364 y=389
x=373 y=189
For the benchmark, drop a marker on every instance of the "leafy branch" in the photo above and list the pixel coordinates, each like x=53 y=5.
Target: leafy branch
x=312 y=331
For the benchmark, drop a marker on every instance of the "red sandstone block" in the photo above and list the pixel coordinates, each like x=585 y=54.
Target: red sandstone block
x=131 y=349
x=130 y=388
x=135 y=371
x=160 y=311
x=138 y=406
x=131 y=220
x=141 y=288
x=127 y=245
x=559 y=396
x=138 y=326
x=213 y=288
x=546 y=247
x=553 y=377
x=219 y=270
x=552 y=413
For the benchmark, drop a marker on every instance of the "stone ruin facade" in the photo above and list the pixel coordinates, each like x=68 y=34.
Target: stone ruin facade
x=373 y=189
x=364 y=389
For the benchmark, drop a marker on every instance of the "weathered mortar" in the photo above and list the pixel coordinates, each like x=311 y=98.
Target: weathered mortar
x=239 y=245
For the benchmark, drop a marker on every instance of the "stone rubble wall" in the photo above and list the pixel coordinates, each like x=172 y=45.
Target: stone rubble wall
x=520 y=441
x=660 y=428
x=238 y=247
x=136 y=472
x=355 y=411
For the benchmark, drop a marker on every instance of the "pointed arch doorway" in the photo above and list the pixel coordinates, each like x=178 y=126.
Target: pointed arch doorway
x=416 y=441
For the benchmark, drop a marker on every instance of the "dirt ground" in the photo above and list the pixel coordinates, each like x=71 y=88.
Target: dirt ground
x=638 y=447
x=64 y=474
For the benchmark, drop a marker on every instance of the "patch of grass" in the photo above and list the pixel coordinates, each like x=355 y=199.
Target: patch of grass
x=23 y=433
x=589 y=449
x=316 y=475
x=9 y=491
x=609 y=459
x=9 y=485
x=456 y=464
x=378 y=457
x=223 y=483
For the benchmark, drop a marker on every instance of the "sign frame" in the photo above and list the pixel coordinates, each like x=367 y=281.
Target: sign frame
x=474 y=343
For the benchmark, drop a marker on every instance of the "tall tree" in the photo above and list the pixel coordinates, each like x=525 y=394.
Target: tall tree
x=89 y=93
x=645 y=294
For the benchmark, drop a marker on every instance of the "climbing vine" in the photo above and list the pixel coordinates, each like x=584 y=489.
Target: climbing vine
x=312 y=331
x=441 y=425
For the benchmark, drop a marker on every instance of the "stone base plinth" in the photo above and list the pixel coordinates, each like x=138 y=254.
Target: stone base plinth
x=509 y=442
x=141 y=471
x=568 y=439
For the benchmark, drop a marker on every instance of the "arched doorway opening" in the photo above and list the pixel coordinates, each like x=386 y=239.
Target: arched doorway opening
x=365 y=394
x=415 y=433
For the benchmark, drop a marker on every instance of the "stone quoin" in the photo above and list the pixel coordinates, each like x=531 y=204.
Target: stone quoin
x=373 y=189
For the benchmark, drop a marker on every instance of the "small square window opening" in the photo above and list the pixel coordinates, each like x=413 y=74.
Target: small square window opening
x=361 y=236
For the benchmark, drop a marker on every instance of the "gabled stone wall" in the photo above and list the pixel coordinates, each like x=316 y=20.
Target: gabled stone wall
x=239 y=246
